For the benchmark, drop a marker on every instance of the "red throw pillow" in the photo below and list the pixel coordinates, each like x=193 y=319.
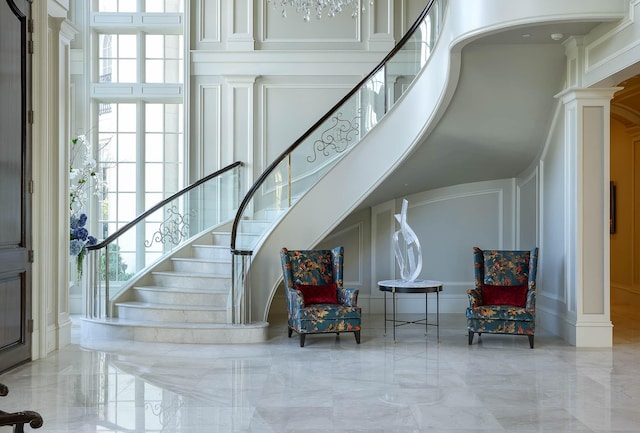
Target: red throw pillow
x=505 y=295
x=327 y=294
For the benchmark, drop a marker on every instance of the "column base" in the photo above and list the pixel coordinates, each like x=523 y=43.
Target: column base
x=590 y=334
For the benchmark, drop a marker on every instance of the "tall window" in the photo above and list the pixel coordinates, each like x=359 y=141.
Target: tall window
x=137 y=93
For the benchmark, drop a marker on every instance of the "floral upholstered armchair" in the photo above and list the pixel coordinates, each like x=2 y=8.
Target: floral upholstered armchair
x=504 y=298
x=316 y=301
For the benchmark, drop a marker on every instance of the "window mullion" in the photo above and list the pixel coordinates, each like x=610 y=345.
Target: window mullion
x=140 y=59
x=140 y=181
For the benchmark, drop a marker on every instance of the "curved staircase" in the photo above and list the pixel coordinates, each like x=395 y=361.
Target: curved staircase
x=185 y=301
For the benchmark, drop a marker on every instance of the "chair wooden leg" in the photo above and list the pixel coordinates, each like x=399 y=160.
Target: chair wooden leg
x=530 y=341
x=470 y=337
x=289 y=331
x=302 y=339
x=357 y=335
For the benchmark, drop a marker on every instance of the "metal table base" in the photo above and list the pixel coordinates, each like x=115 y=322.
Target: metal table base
x=418 y=286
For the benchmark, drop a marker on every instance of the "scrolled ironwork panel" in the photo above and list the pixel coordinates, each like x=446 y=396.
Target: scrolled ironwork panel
x=337 y=137
x=173 y=229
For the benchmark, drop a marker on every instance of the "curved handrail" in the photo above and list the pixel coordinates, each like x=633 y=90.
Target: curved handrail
x=171 y=223
x=263 y=177
x=122 y=230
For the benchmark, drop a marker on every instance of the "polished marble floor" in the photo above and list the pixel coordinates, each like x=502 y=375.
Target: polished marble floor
x=333 y=385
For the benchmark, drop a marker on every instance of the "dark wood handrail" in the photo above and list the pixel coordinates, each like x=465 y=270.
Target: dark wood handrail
x=258 y=183
x=148 y=212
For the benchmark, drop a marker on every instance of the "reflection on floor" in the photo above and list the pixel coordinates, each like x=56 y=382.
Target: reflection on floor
x=625 y=315
x=333 y=385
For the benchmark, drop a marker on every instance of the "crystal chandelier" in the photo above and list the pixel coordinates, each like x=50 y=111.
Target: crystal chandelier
x=306 y=7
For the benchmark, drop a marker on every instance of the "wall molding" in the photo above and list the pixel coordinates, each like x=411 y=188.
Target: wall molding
x=593 y=60
x=414 y=303
x=210 y=12
x=213 y=138
x=264 y=86
x=533 y=176
x=358 y=228
x=444 y=194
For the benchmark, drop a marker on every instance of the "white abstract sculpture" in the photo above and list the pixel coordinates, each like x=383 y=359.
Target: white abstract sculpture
x=407 y=247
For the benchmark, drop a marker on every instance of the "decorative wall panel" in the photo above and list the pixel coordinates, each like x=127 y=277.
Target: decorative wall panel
x=289 y=108
x=205 y=24
x=206 y=141
x=449 y=222
x=527 y=212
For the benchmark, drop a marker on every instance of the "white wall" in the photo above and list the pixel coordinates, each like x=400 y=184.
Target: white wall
x=449 y=222
x=259 y=81
x=552 y=294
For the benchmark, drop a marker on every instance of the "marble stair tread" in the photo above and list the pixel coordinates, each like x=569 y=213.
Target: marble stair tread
x=191 y=274
x=117 y=321
x=157 y=305
x=197 y=290
x=99 y=333
x=200 y=260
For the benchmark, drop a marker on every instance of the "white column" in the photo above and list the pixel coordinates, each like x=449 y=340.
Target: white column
x=52 y=35
x=66 y=34
x=587 y=270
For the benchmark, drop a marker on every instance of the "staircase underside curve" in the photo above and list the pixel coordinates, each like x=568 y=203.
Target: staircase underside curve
x=387 y=145
x=342 y=189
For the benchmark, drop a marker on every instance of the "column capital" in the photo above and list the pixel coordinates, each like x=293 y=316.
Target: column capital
x=243 y=80
x=604 y=94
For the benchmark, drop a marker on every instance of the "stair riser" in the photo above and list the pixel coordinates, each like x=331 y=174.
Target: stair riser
x=269 y=214
x=164 y=315
x=223 y=239
x=97 y=333
x=211 y=252
x=185 y=281
x=253 y=227
x=176 y=298
x=221 y=269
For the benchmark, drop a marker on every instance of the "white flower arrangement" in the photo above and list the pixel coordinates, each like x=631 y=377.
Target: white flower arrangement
x=83 y=175
x=83 y=178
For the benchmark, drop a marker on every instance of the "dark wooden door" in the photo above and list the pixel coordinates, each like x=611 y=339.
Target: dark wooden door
x=15 y=176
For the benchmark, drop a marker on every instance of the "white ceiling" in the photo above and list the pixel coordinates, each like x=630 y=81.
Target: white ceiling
x=499 y=117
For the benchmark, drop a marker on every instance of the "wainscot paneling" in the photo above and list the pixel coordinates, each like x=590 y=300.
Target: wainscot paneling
x=449 y=222
x=288 y=107
x=551 y=277
x=355 y=257
x=205 y=147
x=339 y=32
x=527 y=209
x=206 y=25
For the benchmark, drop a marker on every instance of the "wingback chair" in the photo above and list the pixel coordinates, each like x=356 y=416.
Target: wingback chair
x=316 y=301
x=504 y=298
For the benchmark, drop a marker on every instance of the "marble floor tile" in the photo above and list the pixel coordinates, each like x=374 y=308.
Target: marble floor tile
x=415 y=384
